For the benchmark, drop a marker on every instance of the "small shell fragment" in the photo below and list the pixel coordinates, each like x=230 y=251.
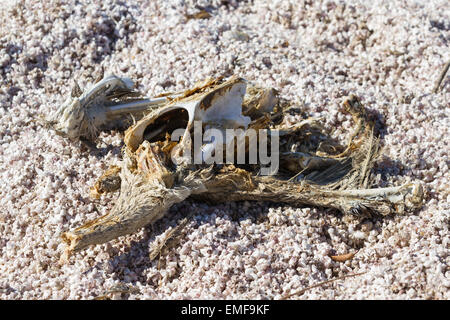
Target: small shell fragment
x=343 y=257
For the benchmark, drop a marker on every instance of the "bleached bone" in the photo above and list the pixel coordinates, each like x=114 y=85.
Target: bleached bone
x=108 y=104
x=220 y=108
x=111 y=102
x=153 y=177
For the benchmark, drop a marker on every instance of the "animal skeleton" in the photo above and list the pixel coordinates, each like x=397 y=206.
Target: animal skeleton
x=153 y=174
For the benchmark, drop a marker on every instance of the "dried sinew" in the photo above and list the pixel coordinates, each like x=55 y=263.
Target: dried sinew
x=157 y=170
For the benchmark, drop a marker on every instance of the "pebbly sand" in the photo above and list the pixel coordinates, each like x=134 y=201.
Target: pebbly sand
x=389 y=53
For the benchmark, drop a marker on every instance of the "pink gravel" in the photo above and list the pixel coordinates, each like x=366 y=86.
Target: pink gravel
x=389 y=53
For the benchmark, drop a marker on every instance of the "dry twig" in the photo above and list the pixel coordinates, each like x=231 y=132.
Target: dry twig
x=300 y=292
x=121 y=288
x=170 y=240
x=441 y=77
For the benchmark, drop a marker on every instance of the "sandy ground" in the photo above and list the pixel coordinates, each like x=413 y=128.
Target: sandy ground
x=389 y=53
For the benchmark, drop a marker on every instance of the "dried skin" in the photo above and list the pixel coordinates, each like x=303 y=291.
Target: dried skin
x=143 y=199
x=237 y=185
x=108 y=182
